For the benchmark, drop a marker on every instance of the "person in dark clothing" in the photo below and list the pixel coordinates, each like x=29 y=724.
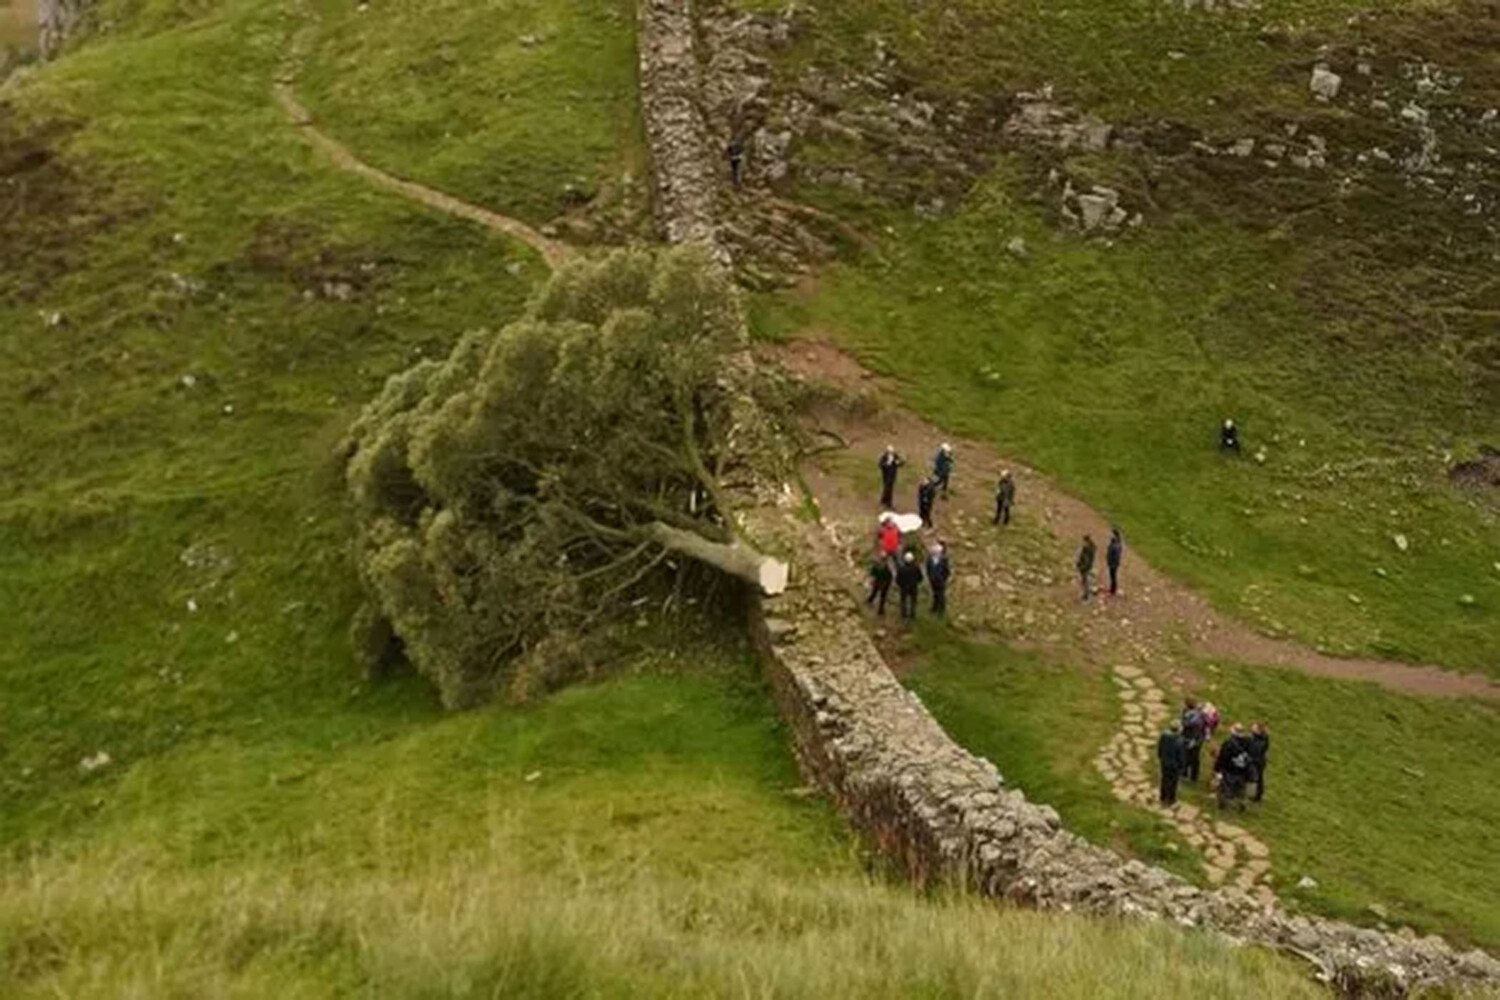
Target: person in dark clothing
x=890 y=464
x=1169 y=754
x=926 y=497
x=908 y=582
x=1229 y=437
x=735 y=153
x=942 y=466
x=1112 y=556
x=881 y=576
x=1260 y=749
x=939 y=569
x=1086 y=565
x=1192 y=739
x=1005 y=497
x=1234 y=767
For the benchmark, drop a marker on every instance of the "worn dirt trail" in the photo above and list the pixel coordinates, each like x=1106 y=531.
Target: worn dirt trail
x=552 y=251
x=1018 y=582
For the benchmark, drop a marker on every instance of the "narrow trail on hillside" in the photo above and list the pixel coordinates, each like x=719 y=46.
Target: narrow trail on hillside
x=552 y=251
x=1017 y=582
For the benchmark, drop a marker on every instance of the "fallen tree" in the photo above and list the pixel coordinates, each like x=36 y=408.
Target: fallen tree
x=517 y=498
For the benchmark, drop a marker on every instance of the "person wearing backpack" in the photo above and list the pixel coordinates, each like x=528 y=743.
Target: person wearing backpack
x=942 y=467
x=1192 y=739
x=1234 y=767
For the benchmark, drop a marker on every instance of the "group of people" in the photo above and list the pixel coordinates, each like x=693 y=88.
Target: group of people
x=1113 y=554
x=1239 y=762
x=893 y=563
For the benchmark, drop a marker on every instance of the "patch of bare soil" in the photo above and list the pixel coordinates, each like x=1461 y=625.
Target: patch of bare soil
x=1018 y=583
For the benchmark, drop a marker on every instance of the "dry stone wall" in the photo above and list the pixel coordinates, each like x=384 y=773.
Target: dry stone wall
x=937 y=813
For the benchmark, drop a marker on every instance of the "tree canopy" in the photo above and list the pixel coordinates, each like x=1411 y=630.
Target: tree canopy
x=521 y=495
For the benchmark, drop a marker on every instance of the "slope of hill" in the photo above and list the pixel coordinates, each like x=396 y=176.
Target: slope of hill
x=197 y=793
x=1321 y=270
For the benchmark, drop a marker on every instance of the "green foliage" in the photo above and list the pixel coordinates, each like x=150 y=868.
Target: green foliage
x=503 y=494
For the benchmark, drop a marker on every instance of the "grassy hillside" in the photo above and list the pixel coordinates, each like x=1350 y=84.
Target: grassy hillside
x=198 y=793
x=528 y=108
x=1344 y=316
x=1381 y=799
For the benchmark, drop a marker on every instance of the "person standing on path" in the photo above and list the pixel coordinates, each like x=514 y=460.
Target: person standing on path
x=1260 y=749
x=1192 y=739
x=1234 y=767
x=908 y=582
x=1005 y=497
x=881 y=576
x=1112 y=556
x=926 y=497
x=942 y=467
x=1086 y=565
x=1169 y=754
x=939 y=570
x=888 y=536
x=890 y=464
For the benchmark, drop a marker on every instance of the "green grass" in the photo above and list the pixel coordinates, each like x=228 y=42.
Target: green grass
x=1042 y=725
x=512 y=104
x=1115 y=365
x=1381 y=799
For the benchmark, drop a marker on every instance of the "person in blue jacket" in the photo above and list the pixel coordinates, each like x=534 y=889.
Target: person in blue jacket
x=942 y=467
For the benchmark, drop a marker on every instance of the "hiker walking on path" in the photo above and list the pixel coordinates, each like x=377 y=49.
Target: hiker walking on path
x=1005 y=497
x=908 y=582
x=1260 y=749
x=1169 y=754
x=1086 y=565
x=939 y=570
x=926 y=496
x=890 y=464
x=1229 y=437
x=1192 y=739
x=1112 y=556
x=942 y=467
x=881 y=576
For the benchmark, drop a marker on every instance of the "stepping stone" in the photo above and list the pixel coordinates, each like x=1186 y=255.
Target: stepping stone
x=1257 y=868
x=1145 y=683
x=1255 y=848
x=1127 y=672
x=1187 y=812
x=1215 y=874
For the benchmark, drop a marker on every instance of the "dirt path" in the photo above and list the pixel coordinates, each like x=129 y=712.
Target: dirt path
x=554 y=252
x=1018 y=582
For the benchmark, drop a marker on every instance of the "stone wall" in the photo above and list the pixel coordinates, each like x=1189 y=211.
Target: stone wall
x=56 y=22
x=936 y=813
x=683 y=157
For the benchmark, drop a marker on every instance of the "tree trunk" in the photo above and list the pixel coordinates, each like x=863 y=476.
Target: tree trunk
x=770 y=575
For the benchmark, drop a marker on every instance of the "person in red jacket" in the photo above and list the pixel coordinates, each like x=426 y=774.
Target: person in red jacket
x=888 y=536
